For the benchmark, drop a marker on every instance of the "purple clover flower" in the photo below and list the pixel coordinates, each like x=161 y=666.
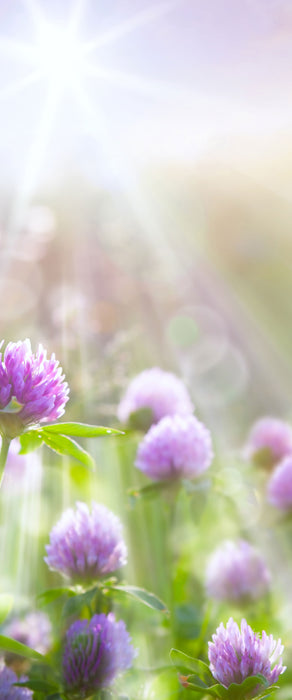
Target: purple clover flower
x=34 y=382
x=235 y=654
x=86 y=545
x=236 y=571
x=34 y=630
x=271 y=435
x=161 y=391
x=8 y=691
x=95 y=653
x=178 y=446
x=280 y=485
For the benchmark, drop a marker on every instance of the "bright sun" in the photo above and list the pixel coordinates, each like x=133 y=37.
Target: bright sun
x=59 y=55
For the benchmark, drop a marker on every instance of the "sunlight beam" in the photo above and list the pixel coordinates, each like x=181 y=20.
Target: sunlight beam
x=126 y=176
x=16 y=49
x=126 y=27
x=35 y=12
x=59 y=67
x=77 y=14
x=138 y=84
x=20 y=85
x=31 y=174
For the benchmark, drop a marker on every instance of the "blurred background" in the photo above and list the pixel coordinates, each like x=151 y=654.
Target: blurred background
x=145 y=187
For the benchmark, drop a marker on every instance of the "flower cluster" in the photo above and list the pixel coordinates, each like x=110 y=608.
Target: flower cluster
x=236 y=571
x=34 y=382
x=235 y=654
x=95 y=652
x=271 y=435
x=178 y=446
x=8 y=691
x=34 y=630
x=160 y=391
x=86 y=545
x=280 y=485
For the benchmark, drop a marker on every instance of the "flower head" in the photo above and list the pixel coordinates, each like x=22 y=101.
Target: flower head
x=95 y=653
x=162 y=392
x=280 y=485
x=34 y=383
x=270 y=436
x=235 y=654
x=86 y=545
x=178 y=446
x=34 y=630
x=8 y=691
x=236 y=571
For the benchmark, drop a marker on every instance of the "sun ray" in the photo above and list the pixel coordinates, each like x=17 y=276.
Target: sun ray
x=160 y=89
x=39 y=146
x=141 y=19
x=77 y=14
x=131 y=82
x=32 y=171
x=35 y=12
x=20 y=85
x=165 y=91
x=125 y=174
x=17 y=50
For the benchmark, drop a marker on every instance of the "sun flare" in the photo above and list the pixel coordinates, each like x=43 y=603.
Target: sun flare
x=59 y=55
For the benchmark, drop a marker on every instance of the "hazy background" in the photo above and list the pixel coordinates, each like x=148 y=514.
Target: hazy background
x=145 y=189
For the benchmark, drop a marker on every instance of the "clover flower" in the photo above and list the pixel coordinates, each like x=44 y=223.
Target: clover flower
x=280 y=485
x=271 y=435
x=8 y=691
x=178 y=446
x=34 y=630
x=86 y=545
x=35 y=385
x=95 y=653
x=160 y=391
x=235 y=654
x=236 y=571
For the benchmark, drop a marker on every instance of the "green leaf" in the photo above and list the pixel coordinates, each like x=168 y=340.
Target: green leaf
x=185 y=664
x=197 y=686
x=187 y=619
x=263 y=458
x=36 y=684
x=151 y=490
x=52 y=594
x=30 y=441
x=141 y=419
x=235 y=691
x=143 y=596
x=217 y=691
x=196 y=485
x=75 y=605
x=14 y=647
x=6 y=605
x=81 y=430
x=66 y=446
x=244 y=689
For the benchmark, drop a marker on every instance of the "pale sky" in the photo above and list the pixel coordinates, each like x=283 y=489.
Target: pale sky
x=179 y=78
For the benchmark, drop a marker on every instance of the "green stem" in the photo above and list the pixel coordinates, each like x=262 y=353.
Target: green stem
x=3 y=456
